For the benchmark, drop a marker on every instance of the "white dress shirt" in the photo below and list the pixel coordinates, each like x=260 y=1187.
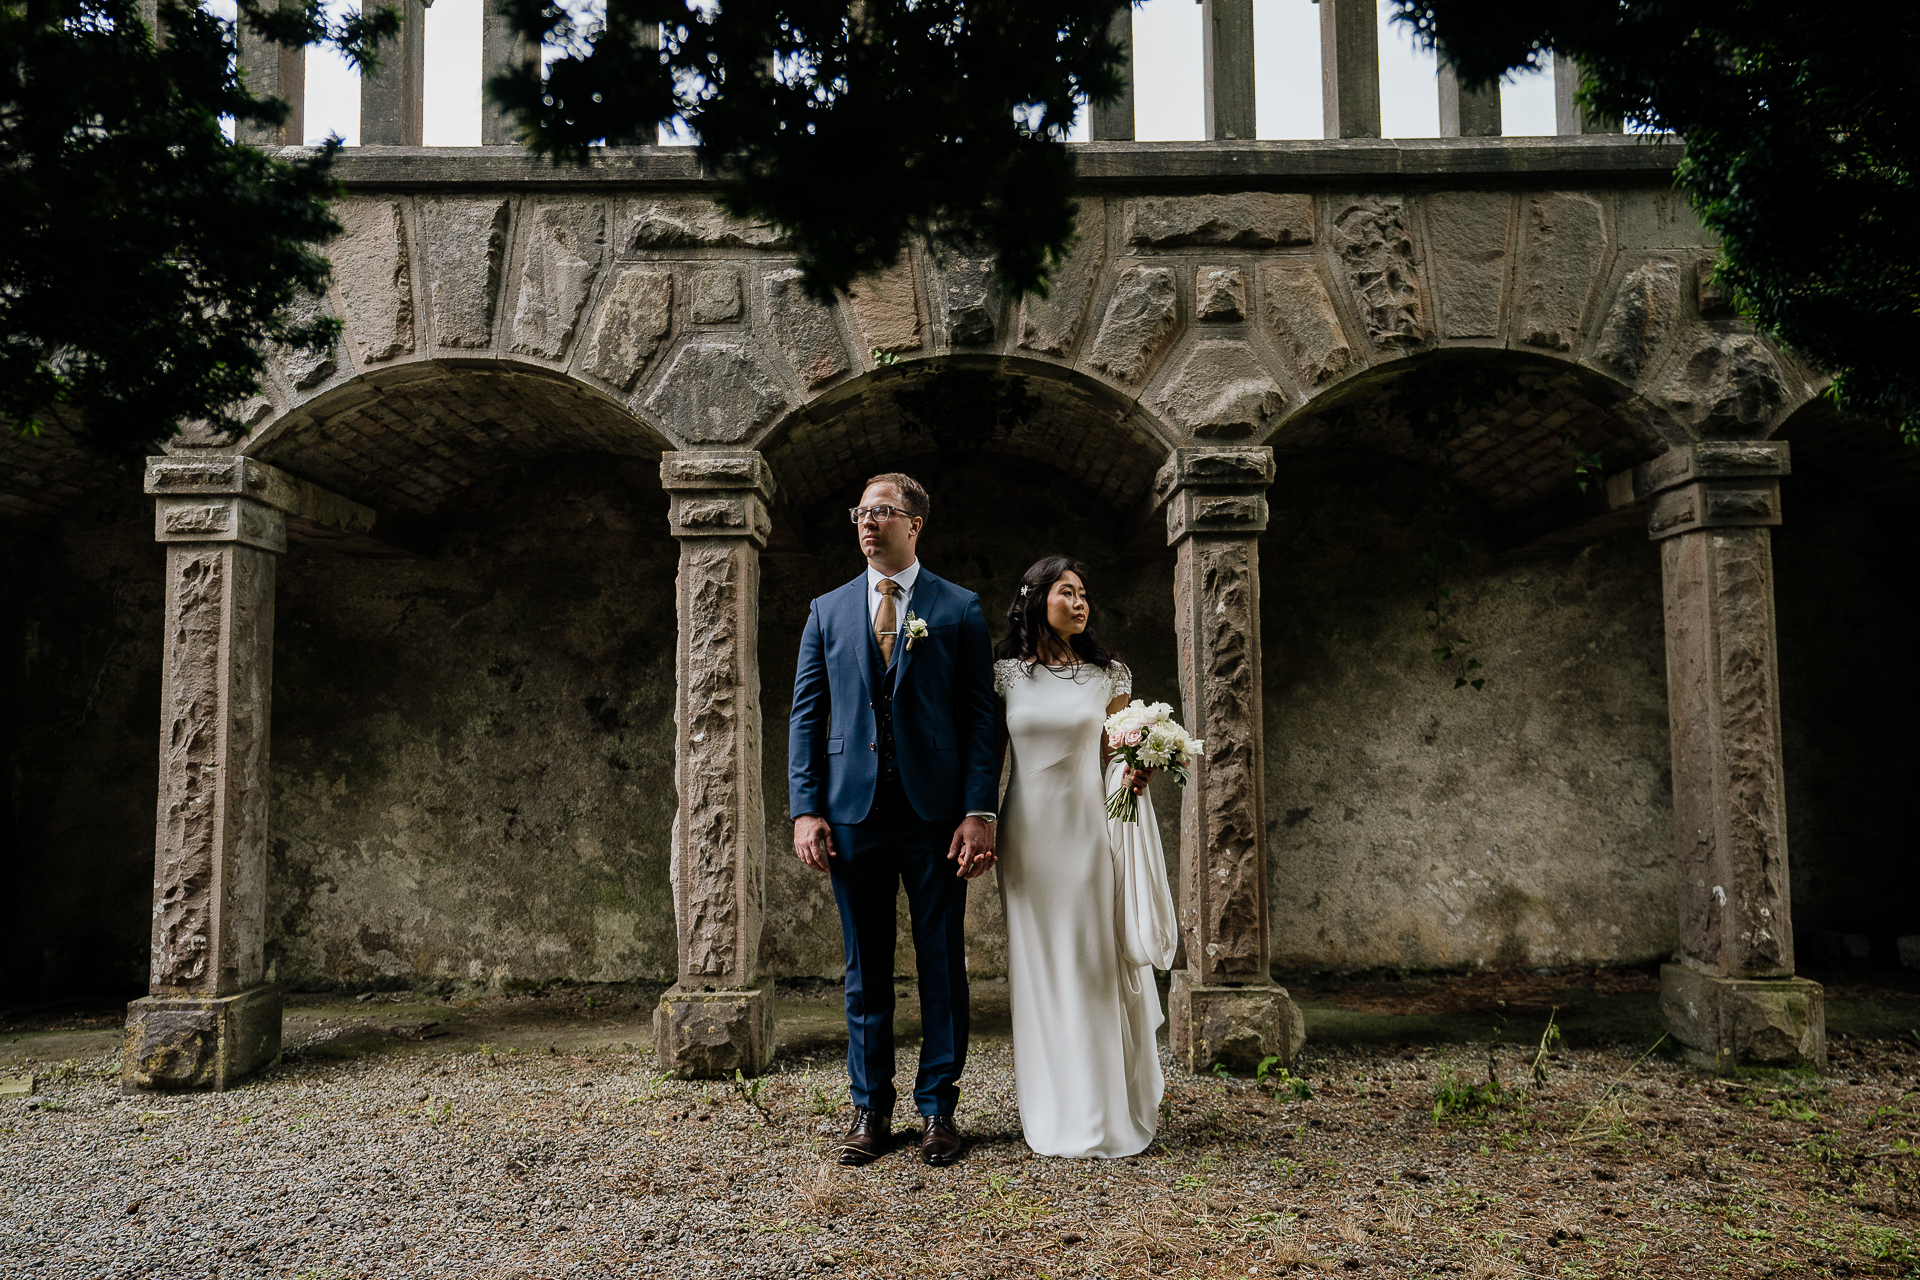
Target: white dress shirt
x=902 y=603
x=902 y=599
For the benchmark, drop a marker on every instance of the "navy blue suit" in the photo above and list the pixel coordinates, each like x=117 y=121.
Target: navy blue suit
x=893 y=812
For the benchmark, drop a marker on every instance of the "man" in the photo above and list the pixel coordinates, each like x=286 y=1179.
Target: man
x=891 y=775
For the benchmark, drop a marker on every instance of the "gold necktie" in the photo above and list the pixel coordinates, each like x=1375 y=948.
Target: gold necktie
x=886 y=622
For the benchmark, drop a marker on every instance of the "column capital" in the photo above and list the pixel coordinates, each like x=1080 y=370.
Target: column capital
x=718 y=494
x=1707 y=485
x=233 y=498
x=1220 y=491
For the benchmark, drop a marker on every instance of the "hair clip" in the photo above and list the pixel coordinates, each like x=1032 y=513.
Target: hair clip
x=1023 y=590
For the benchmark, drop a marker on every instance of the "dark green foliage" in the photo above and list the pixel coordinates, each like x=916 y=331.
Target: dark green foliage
x=853 y=127
x=1802 y=125
x=147 y=260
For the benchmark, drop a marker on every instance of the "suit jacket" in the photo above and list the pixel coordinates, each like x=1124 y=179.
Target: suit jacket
x=944 y=727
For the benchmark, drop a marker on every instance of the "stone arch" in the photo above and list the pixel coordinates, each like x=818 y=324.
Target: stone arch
x=1043 y=413
x=405 y=439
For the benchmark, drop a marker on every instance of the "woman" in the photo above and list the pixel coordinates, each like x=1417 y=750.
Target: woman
x=1086 y=1064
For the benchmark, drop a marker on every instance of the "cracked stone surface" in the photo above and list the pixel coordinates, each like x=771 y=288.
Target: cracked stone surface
x=1467 y=234
x=1052 y=324
x=1567 y=244
x=1250 y=220
x=1138 y=325
x=635 y=313
x=806 y=330
x=715 y=392
x=886 y=308
x=1645 y=311
x=463 y=242
x=1730 y=385
x=1376 y=251
x=1222 y=391
x=1304 y=321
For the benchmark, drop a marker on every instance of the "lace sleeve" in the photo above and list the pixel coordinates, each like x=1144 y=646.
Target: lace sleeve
x=1003 y=673
x=1121 y=679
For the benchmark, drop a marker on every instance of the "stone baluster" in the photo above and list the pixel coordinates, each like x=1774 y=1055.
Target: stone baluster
x=392 y=97
x=1227 y=49
x=1114 y=122
x=501 y=48
x=1730 y=998
x=1467 y=113
x=1349 y=69
x=718 y=1017
x=273 y=71
x=1569 y=117
x=1224 y=1006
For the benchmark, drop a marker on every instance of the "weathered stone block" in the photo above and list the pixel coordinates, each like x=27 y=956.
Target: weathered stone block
x=1376 y=249
x=199 y=1042
x=635 y=313
x=1467 y=235
x=675 y=222
x=210 y=519
x=969 y=301
x=717 y=297
x=1730 y=385
x=886 y=308
x=1710 y=297
x=1646 y=309
x=709 y=1035
x=1222 y=391
x=1724 y=1023
x=373 y=272
x=1139 y=323
x=563 y=255
x=304 y=369
x=1252 y=220
x=1237 y=1027
x=1220 y=293
x=715 y=392
x=1566 y=246
x=1051 y=324
x=464 y=243
x=1304 y=322
x=805 y=329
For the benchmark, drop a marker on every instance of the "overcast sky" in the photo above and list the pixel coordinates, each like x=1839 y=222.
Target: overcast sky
x=1166 y=36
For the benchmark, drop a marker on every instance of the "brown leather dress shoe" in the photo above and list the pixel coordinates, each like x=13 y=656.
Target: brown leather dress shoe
x=939 y=1141
x=867 y=1137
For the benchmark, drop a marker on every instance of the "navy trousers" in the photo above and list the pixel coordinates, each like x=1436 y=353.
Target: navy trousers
x=895 y=846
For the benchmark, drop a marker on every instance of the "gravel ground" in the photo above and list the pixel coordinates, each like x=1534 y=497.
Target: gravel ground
x=530 y=1162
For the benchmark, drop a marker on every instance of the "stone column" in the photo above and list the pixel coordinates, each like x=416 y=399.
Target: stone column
x=1467 y=113
x=1349 y=69
x=1114 y=122
x=209 y=1017
x=718 y=1018
x=1227 y=48
x=501 y=48
x=1224 y=1006
x=1730 y=997
x=392 y=98
x=1569 y=117
x=274 y=71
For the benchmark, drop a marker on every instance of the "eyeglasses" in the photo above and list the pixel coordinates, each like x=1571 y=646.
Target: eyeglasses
x=879 y=515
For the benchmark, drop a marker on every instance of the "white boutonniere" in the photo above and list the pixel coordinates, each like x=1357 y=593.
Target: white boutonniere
x=913 y=628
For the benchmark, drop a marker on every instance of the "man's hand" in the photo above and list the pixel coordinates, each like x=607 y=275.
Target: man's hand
x=972 y=847
x=812 y=840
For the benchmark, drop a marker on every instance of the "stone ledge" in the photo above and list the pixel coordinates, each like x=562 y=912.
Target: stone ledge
x=1723 y=1023
x=1100 y=163
x=708 y=1035
x=199 y=1042
x=1238 y=1027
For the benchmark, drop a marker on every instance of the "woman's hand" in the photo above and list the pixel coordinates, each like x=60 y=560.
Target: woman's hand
x=1137 y=781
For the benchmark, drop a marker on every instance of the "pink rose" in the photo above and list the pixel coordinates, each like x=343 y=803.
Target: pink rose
x=1134 y=737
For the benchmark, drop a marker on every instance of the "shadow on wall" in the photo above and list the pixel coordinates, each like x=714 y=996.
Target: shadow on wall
x=1416 y=825
x=991 y=517
x=80 y=630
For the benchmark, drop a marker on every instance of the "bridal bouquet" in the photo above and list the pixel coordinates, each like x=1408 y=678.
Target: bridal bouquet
x=1146 y=736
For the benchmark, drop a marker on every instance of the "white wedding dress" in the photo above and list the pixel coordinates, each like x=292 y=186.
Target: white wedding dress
x=1086 y=1063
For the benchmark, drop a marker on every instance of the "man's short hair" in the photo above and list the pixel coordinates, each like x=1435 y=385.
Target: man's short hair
x=912 y=496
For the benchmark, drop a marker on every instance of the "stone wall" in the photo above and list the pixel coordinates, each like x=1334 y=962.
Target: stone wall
x=472 y=757
x=1415 y=825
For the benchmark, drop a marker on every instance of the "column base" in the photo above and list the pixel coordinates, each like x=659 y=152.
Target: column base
x=199 y=1042
x=709 y=1035
x=1237 y=1027
x=1724 y=1023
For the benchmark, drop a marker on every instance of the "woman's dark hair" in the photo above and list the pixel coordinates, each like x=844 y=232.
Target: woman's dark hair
x=1027 y=617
